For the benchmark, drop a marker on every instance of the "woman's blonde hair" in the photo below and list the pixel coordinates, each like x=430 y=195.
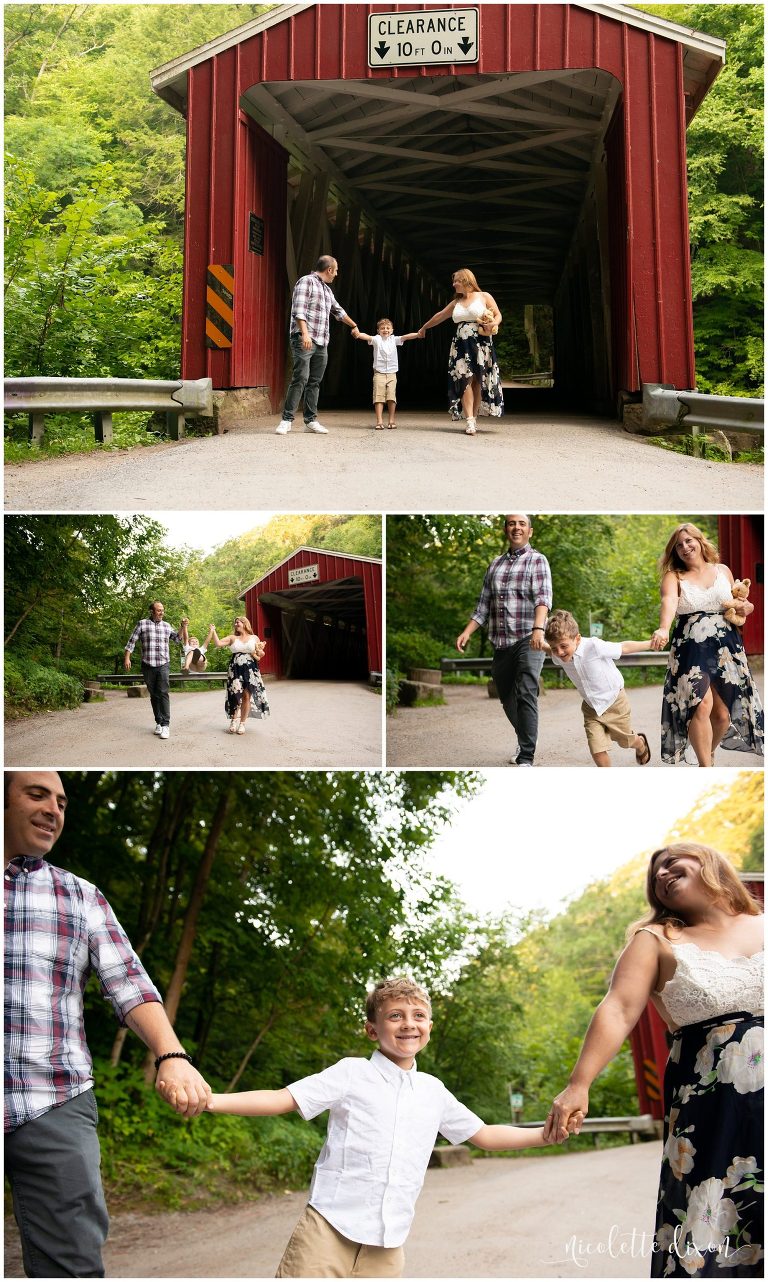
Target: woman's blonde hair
x=245 y=622
x=671 y=561
x=718 y=875
x=467 y=279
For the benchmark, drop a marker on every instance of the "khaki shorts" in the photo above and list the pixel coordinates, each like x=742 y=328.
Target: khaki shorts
x=384 y=387
x=613 y=724
x=318 y=1250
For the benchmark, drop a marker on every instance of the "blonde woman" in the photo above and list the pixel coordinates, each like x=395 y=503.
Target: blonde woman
x=245 y=688
x=708 y=689
x=474 y=382
x=698 y=956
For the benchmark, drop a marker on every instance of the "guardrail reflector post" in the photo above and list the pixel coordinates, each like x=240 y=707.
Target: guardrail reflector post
x=102 y=426
x=220 y=296
x=36 y=428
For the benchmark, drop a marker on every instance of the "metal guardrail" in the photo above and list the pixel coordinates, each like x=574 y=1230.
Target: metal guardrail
x=643 y=1125
x=674 y=410
x=102 y=397
x=137 y=679
x=644 y=659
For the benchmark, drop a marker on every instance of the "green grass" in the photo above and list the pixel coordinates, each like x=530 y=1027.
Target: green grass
x=74 y=434
x=701 y=447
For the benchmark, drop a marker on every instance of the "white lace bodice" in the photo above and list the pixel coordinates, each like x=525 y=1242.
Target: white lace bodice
x=706 y=984
x=243 y=647
x=693 y=598
x=473 y=312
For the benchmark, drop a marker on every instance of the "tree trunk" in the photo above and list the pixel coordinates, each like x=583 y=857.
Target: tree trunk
x=189 y=930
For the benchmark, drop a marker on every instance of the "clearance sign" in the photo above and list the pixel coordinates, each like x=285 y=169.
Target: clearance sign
x=423 y=37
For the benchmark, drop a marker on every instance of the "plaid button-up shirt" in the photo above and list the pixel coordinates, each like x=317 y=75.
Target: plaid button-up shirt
x=154 y=636
x=314 y=302
x=58 y=929
x=515 y=583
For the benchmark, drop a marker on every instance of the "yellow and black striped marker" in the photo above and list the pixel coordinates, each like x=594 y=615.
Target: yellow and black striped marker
x=652 y=1083
x=219 y=316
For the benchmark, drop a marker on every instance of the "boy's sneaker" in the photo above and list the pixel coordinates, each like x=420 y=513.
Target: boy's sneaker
x=314 y=426
x=523 y=764
x=283 y=426
x=158 y=728
x=165 y=732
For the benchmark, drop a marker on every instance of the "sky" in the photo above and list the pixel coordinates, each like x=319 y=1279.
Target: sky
x=533 y=840
x=206 y=530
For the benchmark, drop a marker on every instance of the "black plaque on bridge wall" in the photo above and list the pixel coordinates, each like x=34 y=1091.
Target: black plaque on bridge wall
x=256 y=234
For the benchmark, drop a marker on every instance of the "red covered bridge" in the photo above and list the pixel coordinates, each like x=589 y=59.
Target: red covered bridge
x=542 y=145
x=320 y=614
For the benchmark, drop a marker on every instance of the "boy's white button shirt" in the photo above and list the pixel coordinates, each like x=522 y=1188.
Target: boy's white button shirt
x=385 y=353
x=594 y=673
x=381 y=1131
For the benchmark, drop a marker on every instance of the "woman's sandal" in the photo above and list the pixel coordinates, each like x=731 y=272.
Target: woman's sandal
x=241 y=728
x=234 y=723
x=391 y=424
x=379 y=427
x=642 y=758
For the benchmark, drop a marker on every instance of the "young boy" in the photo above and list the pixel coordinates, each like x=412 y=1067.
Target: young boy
x=384 y=1119
x=589 y=662
x=385 y=344
x=194 y=659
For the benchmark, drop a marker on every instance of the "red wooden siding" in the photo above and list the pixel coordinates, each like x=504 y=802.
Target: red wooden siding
x=233 y=166
x=740 y=540
x=332 y=567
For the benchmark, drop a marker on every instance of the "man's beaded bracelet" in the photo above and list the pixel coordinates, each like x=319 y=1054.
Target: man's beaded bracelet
x=172 y=1055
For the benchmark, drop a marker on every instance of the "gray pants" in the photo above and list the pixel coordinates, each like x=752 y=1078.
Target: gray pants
x=308 y=370
x=516 y=671
x=156 y=681
x=53 y=1166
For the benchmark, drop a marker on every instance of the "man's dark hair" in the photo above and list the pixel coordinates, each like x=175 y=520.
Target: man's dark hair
x=7 y=780
x=324 y=262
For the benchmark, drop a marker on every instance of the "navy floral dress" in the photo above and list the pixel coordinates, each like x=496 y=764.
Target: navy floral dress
x=472 y=355
x=243 y=675
x=707 y=651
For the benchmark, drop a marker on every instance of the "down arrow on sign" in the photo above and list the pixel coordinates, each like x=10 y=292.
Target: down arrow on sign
x=382 y=49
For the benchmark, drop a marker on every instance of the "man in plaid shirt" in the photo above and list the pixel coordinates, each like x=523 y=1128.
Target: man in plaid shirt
x=311 y=309
x=516 y=596
x=154 y=634
x=58 y=930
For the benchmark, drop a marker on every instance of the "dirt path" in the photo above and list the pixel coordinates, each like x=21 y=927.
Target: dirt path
x=571 y=1215
x=471 y=730
x=312 y=723
x=566 y=463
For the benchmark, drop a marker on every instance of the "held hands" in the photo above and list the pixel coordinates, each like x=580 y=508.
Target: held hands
x=566 y=1115
x=181 y=1086
x=537 y=639
x=659 y=638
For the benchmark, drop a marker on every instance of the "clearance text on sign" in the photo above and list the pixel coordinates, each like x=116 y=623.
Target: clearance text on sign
x=423 y=37
x=305 y=574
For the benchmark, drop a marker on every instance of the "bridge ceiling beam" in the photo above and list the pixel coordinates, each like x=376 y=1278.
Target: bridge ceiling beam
x=498 y=165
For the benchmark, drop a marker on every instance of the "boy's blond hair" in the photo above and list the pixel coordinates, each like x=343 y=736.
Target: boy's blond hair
x=398 y=986
x=561 y=624
x=384 y=321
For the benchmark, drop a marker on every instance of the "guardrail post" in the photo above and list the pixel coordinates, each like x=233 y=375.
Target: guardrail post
x=176 y=425
x=36 y=428
x=102 y=426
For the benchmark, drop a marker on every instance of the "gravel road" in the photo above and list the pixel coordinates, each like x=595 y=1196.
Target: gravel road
x=570 y=1215
x=471 y=730
x=566 y=463
x=312 y=723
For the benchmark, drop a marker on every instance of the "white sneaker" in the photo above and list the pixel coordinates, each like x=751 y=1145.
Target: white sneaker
x=165 y=732
x=314 y=426
x=157 y=729
x=523 y=764
x=283 y=426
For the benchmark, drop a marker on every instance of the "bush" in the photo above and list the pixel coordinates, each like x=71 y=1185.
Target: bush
x=146 y=1148
x=393 y=680
x=30 y=687
x=413 y=649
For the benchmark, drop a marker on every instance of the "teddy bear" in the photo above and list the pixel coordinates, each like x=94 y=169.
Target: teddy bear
x=486 y=324
x=739 y=592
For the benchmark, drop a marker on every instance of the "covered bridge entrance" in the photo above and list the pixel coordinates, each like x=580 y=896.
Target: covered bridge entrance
x=540 y=145
x=320 y=614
